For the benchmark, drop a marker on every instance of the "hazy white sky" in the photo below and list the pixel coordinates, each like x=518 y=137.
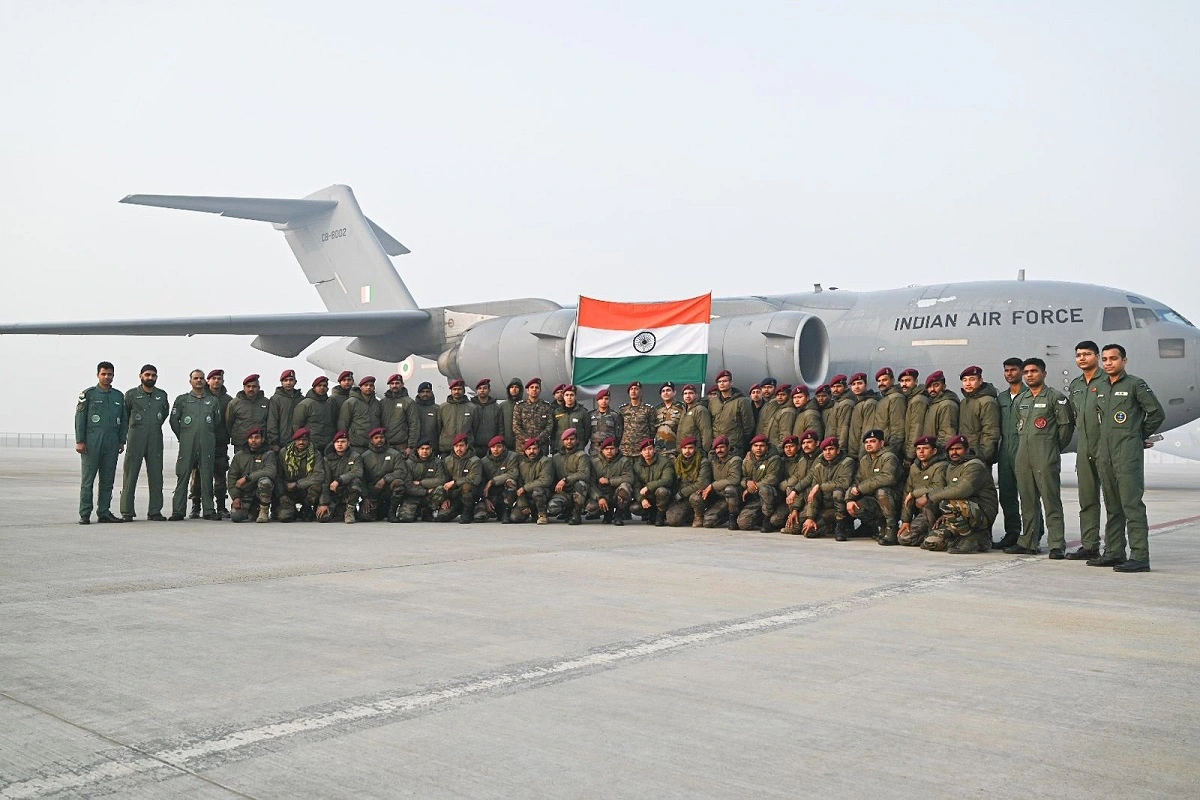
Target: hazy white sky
x=622 y=150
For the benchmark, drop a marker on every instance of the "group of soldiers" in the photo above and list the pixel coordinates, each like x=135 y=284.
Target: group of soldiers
x=908 y=462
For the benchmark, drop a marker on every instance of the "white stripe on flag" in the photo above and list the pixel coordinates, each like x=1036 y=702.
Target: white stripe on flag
x=668 y=341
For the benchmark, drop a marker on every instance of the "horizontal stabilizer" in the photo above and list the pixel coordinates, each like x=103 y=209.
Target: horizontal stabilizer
x=267 y=209
x=318 y=323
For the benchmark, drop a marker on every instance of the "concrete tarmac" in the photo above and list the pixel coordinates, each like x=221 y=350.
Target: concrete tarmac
x=203 y=659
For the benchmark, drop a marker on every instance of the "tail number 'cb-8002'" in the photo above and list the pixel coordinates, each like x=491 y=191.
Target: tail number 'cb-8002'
x=331 y=235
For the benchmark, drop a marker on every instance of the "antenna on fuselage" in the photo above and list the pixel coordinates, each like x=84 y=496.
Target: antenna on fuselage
x=1020 y=274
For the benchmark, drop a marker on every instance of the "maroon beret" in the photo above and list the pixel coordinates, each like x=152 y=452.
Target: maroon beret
x=317 y=381
x=721 y=440
x=251 y=378
x=784 y=388
x=484 y=382
x=839 y=378
x=256 y=429
x=532 y=381
x=344 y=375
x=380 y=431
x=633 y=384
x=608 y=442
x=791 y=439
x=602 y=393
x=960 y=439
x=724 y=374
x=688 y=440
x=976 y=371
x=216 y=373
x=396 y=377
x=759 y=438
x=823 y=389
x=644 y=443
x=560 y=387
x=462 y=437
x=287 y=373
x=366 y=379
x=858 y=376
x=884 y=371
x=800 y=388
x=926 y=440
x=755 y=386
x=829 y=441
x=529 y=442
x=687 y=386
x=809 y=434
x=495 y=440
x=569 y=432
x=910 y=371
x=301 y=434
x=935 y=377
x=570 y=387
x=458 y=383
x=341 y=435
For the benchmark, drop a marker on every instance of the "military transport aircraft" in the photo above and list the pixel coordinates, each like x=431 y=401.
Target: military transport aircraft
x=798 y=338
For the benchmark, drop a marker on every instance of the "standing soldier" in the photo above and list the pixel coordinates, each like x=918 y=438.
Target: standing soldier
x=514 y=391
x=941 y=418
x=343 y=476
x=501 y=475
x=1007 y=457
x=248 y=409
x=694 y=474
x=537 y=478
x=572 y=415
x=385 y=479
x=361 y=413
x=979 y=415
x=1045 y=425
x=829 y=480
x=489 y=419
x=399 y=417
x=927 y=473
x=862 y=416
x=760 y=486
x=100 y=429
x=824 y=401
x=196 y=422
x=426 y=410
x=732 y=414
x=280 y=409
x=253 y=471
x=723 y=497
x=966 y=505
x=613 y=488
x=756 y=401
x=837 y=423
x=1129 y=415
x=782 y=418
x=889 y=412
x=872 y=499
x=339 y=394
x=655 y=475
x=301 y=478
x=557 y=395
x=1083 y=394
x=765 y=409
x=604 y=423
x=315 y=414
x=464 y=477
x=573 y=478
x=533 y=418
x=808 y=416
x=666 y=420
x=637 y=421
x=146 y=409
x=696 y=419
x=916 y=405
x=455 y=416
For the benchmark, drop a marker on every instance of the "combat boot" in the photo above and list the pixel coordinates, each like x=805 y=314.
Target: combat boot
x=543 y=518
x=1009 y=540
x=889 y=537
x=222 y=511
x=575 y=519
x=195 y=513
x=505 y=514
x=264 y=513
x=468 y=514
x=660 y=519
x=841 y=531
x=619 y=516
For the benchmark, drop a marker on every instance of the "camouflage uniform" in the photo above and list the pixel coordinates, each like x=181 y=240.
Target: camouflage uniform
x=533 y=420
x=967 y=506
x=666 y=427
x=603 y=424
x=637 y=423
x=306 y=469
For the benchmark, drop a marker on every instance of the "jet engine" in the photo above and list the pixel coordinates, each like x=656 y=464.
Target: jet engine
x=792 y=346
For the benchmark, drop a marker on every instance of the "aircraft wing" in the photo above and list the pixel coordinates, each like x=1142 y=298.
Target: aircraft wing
x=314 y=324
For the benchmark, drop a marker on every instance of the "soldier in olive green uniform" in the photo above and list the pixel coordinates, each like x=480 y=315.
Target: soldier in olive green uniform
x=723 y=498
x=795 y=463
x=782 y=419
x=837 y=416
x=966 y=505
x=1082 y=393
x=872 y=498
x=613 y=486
x=537 y=479
x=253 y=471
x=515 y=390
x=732 y=414
x=655 y=476
x=694 y=474
x=100 y=428
x=941 y=418
x=196 y=422
x=829 y=479
x=426 y=479
x=1006 y=457
x=889 y=412
x=926 y=474
x=572 y=415
x=761 y=473
x=343 y=480
x=464 y=479
x=1045 y=424
x=489 y=418
x=502 y=476
x=808 y=416
x=916 y=404
x=216 y=388
x=572 y=478
x=455 y=416
x=147 y=408
x=301 y=478
x=360 y=414
x=399 y=418
x=281 y=408
x=1129 y=414
x=315 y=414
x=979 y=414
x=248 y=409
x=426 y=411
x=696 y=420
x=862 y=416
x=385 y=478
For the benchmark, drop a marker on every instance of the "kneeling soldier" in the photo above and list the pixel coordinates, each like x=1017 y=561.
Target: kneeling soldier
x=251 y=479
x=344 y=471
x=967 y=503
x=826 y=508
x=872 y=498
x=760 y=486
x=613 y=487
x=537 y=477
x=423 y=492
x=694 y=474
x=464 y=475
x=502 y=473
x=573 y=473
x=301 y=476
x=723 y=497
x=799 y=455
x=655 y=476
x=927 y=473
x=384 y=478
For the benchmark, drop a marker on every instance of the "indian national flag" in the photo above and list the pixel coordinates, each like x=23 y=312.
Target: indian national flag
x=652 y=342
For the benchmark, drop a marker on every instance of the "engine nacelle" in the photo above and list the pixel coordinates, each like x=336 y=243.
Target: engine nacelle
x=792 y=346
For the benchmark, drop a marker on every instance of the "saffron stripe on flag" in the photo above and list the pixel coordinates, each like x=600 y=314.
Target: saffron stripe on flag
x=636 y=316
x=680 y=368
x=673 y=340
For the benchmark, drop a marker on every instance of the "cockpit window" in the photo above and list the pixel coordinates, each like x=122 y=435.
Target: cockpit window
x=1169 y=315
x=1116 y=318
x=1144 y=317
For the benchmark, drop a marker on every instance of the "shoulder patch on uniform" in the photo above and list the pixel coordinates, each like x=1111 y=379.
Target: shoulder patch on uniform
x=1062 y=402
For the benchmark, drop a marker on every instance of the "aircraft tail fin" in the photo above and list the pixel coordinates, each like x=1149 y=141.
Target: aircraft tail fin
x=343 y=254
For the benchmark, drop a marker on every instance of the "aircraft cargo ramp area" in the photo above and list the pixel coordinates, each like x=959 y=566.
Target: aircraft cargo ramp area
x=204 y=659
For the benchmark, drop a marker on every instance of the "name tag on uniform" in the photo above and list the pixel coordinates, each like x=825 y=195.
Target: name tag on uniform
x=1120 y=394
x=1039 y=405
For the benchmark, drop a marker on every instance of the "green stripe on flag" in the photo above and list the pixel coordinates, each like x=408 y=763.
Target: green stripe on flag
x=686 y=368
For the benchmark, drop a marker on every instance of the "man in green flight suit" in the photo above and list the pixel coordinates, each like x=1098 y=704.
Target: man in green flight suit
x=1045 y=424
x=100 y=427
x=146 y=408
x=1083 y=393
x=1128 y=414
x=196 y=420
